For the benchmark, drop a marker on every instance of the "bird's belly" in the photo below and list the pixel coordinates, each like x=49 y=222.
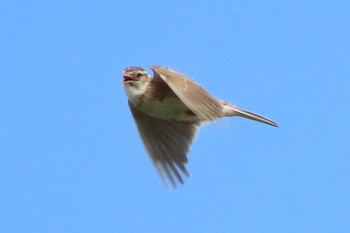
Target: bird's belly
x=168 y=109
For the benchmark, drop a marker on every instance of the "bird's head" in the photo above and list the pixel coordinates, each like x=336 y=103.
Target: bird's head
x=135 y=80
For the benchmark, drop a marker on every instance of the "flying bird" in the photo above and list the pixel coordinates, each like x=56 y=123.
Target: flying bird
x=168 y=108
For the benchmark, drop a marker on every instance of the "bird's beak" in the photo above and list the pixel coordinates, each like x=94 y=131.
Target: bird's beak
x=127 y=78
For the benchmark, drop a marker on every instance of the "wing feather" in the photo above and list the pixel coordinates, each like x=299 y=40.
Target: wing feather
x=198 y=100
x=167 y=142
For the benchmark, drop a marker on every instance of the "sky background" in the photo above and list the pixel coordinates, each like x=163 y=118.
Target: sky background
x=71 y=159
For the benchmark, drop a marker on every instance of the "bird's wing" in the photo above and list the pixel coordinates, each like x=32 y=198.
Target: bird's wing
x=167 y=143
x=198 y=100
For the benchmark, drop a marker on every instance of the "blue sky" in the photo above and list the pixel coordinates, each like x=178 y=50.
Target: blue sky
x=71 y=159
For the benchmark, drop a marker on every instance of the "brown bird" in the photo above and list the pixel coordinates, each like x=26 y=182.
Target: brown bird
x=168 y=109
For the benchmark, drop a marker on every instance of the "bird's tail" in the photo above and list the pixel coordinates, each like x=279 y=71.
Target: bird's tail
x=231 y=110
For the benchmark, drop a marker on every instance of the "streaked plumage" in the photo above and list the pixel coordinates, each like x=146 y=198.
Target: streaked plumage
x=168 y=109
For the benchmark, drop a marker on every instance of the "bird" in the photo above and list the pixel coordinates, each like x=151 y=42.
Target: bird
x=168 y=109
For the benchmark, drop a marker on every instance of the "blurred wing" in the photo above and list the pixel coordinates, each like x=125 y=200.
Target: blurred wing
x=198 y=100
x=166 y=141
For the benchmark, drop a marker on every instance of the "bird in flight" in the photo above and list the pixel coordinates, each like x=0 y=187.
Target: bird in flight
x=168 y=108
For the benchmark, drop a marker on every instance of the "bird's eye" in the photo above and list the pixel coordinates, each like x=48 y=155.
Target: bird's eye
x=138 y=75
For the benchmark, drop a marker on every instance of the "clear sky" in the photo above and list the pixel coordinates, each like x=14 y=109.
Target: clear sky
x=71 y=159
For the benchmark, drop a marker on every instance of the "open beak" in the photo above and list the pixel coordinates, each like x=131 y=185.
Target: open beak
x=127 y=78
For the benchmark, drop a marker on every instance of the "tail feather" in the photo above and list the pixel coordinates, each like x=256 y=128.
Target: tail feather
x=231 y=110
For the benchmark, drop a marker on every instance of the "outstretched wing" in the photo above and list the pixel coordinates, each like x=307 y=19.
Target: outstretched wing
x=167 y=143
x=198 y=100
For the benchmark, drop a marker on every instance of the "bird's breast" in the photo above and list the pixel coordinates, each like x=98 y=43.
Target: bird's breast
x=170 y=108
